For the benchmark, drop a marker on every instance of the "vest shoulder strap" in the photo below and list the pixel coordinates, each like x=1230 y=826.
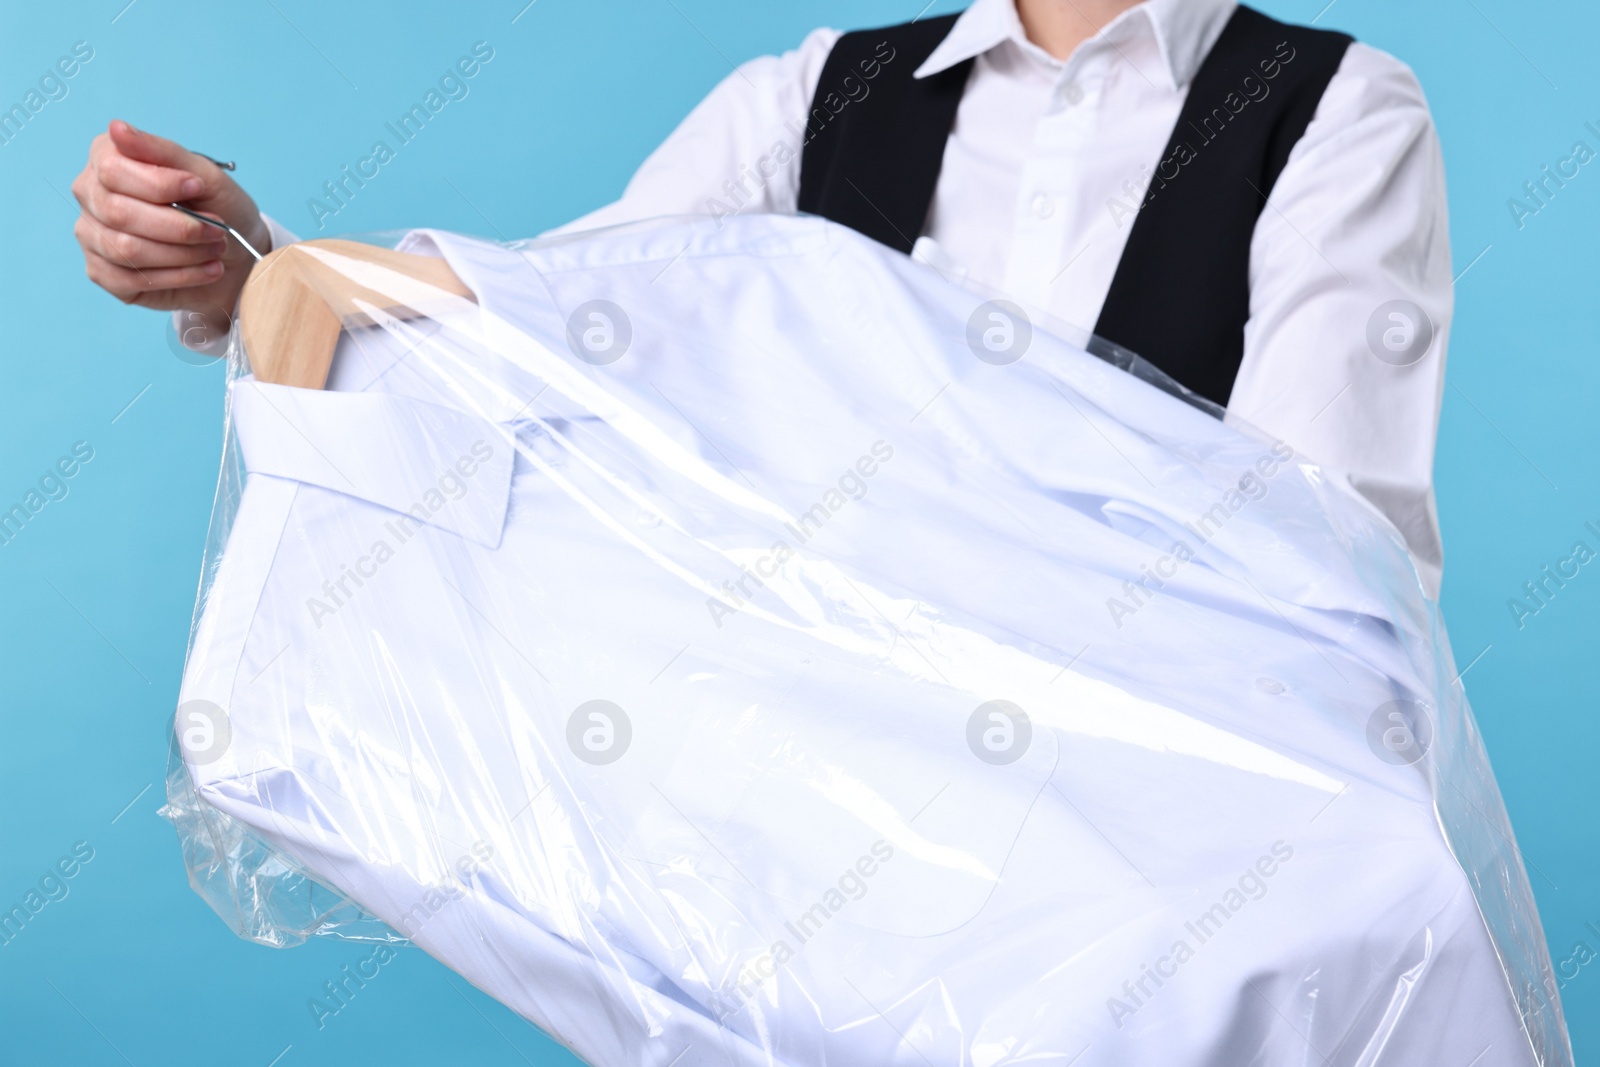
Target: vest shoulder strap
x=875 y=136
x=1181 y=294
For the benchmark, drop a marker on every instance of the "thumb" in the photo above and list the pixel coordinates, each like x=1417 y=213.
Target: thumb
x=148 y=148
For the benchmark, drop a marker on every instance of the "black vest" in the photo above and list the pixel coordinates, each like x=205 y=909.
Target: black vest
x=1181 y=293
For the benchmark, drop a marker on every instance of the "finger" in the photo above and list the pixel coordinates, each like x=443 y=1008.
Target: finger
x=143 y=147
x=146 y=181
x=141 y=253
x=127 y=284
x=156 y=222
x=99 y=146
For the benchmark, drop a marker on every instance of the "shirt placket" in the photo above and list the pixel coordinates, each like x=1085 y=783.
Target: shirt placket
x=1049 y=211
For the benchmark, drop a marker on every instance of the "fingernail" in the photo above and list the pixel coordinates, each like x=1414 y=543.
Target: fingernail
x=213 y=269
x=191 y=187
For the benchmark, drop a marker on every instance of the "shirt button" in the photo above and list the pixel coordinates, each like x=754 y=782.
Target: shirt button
x=1043 y=206
x=1071 y=94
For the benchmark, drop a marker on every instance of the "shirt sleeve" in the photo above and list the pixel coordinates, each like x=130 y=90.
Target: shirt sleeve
x=1351 y=298
x=737 y=152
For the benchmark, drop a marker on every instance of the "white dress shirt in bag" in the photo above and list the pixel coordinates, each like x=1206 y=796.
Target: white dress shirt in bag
x=697 y=647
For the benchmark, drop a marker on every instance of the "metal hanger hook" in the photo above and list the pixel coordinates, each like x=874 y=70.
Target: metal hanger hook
x=235 y=234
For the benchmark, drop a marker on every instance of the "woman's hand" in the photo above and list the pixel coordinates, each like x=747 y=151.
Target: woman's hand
x=140 y=250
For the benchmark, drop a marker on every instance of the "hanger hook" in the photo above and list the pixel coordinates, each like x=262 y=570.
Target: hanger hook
x=235 y=234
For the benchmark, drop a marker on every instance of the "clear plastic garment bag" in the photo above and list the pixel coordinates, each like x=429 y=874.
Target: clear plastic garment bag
x=726 y=642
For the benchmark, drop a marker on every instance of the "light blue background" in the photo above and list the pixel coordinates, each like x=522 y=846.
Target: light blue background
x=96 y=593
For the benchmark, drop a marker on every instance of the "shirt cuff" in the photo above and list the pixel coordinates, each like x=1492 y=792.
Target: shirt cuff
x=280 y=236
x=207 y=342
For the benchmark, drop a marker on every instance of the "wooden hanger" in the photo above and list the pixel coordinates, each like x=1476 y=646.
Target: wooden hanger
x=299 y=298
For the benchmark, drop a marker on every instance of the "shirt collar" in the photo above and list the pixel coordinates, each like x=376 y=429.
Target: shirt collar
x=1184 y=31
x=437 y=465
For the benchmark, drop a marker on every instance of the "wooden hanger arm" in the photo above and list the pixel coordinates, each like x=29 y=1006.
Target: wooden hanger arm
x=298 y=300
